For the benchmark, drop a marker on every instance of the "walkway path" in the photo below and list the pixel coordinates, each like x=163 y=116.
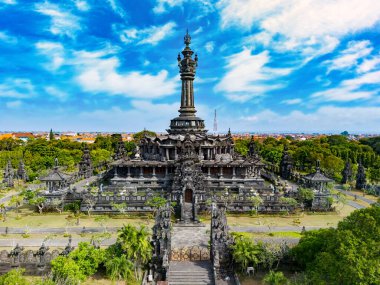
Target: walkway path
x=348 y=193
x=57 y=242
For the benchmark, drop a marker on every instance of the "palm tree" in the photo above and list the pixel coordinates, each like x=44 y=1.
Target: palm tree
x=136 y=246
x=119 y=268
x=246 y=252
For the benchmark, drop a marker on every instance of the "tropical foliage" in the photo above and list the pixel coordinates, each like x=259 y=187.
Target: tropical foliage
x=348 y=254
x=332 y=151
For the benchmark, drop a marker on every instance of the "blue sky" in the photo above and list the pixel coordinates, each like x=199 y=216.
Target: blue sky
x=265 y=66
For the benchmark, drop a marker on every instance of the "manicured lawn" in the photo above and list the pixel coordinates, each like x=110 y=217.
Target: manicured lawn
x=28 y=218
x=329 y=219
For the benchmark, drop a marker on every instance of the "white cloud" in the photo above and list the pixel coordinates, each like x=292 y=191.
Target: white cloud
x=9 y=2
x=82 y=5
x=117 y=8
x=55 y=92
x=17 y=88
x=369 y=64
x=54 y=52
x=343 y=94
x=352 y=89
x=98 y=72
x=63 y=22
x=203 y=6
x=143 y=114
x=151 y=35
x=13 y=104
x=209 y=46
x=365 y=79
x=349 y=57
x=6 y=38
x=325 y=119
x=294 y=101
x=197 y=31
x=163 y=5
x=249 y=76
x=301 y=24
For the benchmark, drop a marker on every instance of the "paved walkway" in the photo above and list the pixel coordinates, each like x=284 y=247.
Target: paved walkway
x=57 y=242
x=359 y=197
x=190 y=236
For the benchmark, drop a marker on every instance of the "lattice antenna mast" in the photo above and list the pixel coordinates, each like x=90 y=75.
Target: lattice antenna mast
x=215 y=123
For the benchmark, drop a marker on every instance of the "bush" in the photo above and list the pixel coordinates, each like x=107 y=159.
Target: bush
x=14 y=277
x=275 y=278
x=65 y=269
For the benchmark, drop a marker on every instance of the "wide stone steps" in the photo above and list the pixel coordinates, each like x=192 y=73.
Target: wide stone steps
x=190 y=273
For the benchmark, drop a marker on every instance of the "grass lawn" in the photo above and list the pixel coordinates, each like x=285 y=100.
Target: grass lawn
x=28 y=218
x=273 y=234
x=329 y=219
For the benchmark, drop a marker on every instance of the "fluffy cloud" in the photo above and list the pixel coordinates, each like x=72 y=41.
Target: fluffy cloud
x=98 y=72
x=54 y=52
x=143 y=114
x=82 y=5
x=349 y=57
x=114 y=4
x=63 y=23
x=294 y=101
x=301 y=24
x=249 y=76
x=17 y=88
x=9 y=2
x=325 y=119
x=203 y=7
x=209 y=46
x=151 y=35
x=6 y=38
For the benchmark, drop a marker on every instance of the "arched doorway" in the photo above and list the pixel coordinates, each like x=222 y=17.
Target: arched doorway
x=188 y=196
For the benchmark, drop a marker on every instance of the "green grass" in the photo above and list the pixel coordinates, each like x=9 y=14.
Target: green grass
x=271 y=234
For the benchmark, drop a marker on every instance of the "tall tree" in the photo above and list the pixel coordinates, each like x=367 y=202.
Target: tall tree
x=51 y=135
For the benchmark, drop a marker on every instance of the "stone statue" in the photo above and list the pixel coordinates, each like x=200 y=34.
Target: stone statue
x=15 y=255
x=21 y=172
x=8 y=174
x=41 y=252
x=347 y=172
x=360 y=177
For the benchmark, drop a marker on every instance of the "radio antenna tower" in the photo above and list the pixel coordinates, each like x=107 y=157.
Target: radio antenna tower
x=215 y=123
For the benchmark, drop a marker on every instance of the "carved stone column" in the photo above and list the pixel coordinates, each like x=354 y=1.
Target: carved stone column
x=153 y=171
x=129 y=172
x=141 y=172
x=233 y=172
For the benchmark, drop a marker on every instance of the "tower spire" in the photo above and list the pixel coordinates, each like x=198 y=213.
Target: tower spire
x=215 y=123
x=187 y=121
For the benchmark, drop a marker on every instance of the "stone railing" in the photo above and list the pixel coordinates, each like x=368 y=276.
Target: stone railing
x=34 y=262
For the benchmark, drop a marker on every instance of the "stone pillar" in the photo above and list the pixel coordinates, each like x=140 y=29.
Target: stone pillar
x=167 y=153
x=233 y=172
x=141 y=172
x=221 y=172
x=116 y=174
x=175 y=153
x=153 y=171
x=166 y=171
x=129 y=172
x=208 y=171
x=245 y=172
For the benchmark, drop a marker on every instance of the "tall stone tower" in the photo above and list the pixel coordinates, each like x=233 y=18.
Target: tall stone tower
x=21 y=172
x=85 y=165
x=187 y=122
x=8 y=174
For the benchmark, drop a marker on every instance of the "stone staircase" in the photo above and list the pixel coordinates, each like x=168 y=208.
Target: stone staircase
x=190 y=273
